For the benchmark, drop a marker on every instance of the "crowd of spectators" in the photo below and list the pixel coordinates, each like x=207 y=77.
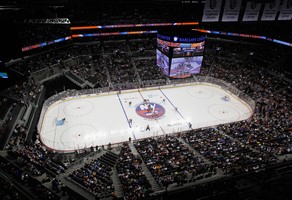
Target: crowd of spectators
x=36 y=159
x=33 y=158
x=120 y=68
x=36 y=189
x=7 y=106
x=170 y=161
x=231 y=156
x=113 y=58
x=269 y=128
x=95 y=177
x=8 y=191
x=21 y=94
x=233 y=148
x=25 y=91
x=17 y=138
x=142 y=44
x=99 y=74
x=58 y=186
x=34 y=63
x=116 y=47
x=92 y=71
x=134 y=182
x=83 y=70
x=152 y=73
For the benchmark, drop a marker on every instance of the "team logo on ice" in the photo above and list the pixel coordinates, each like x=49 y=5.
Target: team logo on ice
x=150 y=110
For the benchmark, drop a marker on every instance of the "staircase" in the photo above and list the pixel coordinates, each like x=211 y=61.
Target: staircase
x=219 y=171
x=109 y=158
x=117 y=183
x=105 y=157
x=80 y=163
x=148 y=174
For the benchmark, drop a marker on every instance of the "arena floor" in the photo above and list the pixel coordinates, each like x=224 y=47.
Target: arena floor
x=79 y=122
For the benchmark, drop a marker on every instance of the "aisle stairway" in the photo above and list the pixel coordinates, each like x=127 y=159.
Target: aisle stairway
x=104 y=156
x=148 y=174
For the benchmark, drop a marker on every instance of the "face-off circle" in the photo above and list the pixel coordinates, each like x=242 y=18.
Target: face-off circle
x=78 y=108
x=150 y=110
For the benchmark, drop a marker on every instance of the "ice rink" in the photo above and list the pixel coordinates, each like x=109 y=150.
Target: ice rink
x=100 y=119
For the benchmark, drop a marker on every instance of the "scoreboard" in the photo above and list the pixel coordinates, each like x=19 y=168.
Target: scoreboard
x=180 y=53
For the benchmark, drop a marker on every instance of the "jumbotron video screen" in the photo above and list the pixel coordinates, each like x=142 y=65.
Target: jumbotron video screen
x=180 y=56
x=162 y=62
x=185 y=66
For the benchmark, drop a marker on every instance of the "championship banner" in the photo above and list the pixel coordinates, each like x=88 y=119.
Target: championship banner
x=252 y=11
x=270 y=11
x=286 y=10
x=212 y=10
x=231 y=10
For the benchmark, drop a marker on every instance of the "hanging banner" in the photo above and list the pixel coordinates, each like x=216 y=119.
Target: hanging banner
x=286 y=10
x=231 y=10
x=252 y=11
x=212 y=10
x=270 y=11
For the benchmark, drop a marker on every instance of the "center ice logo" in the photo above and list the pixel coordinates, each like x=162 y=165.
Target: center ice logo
x=150 y=110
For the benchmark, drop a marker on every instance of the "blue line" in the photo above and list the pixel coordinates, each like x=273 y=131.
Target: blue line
x=141 y=95
x=173 y=105
x=124 y=111
x=134 y=135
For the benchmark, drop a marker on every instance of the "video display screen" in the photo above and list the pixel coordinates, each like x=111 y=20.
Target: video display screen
x=162 y=61
x=189 y=50
x=163 y=46
x=3 y=75
x=185 y=67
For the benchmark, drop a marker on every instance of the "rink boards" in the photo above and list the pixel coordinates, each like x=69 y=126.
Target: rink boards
x=99 y=119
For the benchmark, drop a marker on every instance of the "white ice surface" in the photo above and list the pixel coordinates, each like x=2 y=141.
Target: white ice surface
x=103 y=119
